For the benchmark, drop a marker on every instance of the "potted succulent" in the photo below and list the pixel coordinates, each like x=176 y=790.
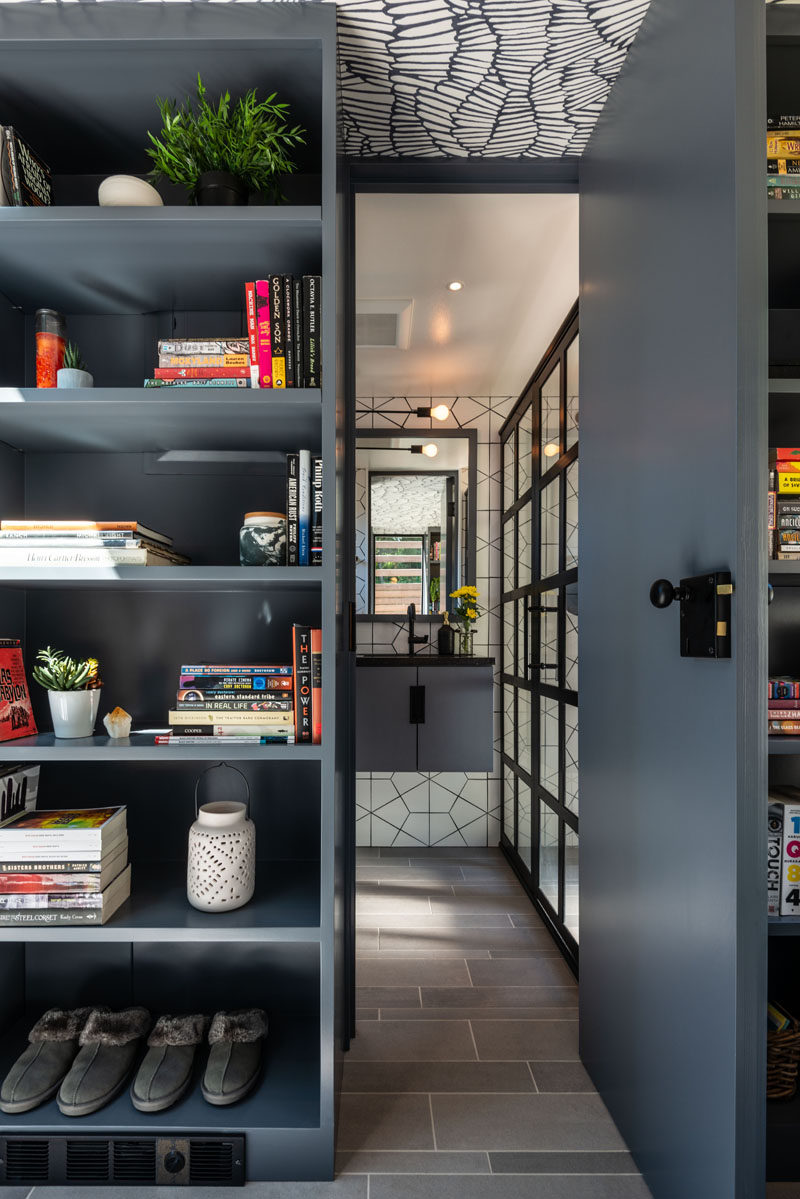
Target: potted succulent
x=73 y=372
x=73 y=688
x=222 y=152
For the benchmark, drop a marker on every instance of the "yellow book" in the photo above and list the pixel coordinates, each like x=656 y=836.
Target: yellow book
x=788 y=482
x=279 y=371
x=785 y=144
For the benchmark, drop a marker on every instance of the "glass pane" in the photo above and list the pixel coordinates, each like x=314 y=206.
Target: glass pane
x=509 y=719
x=525 y=546
x=509 y=629
x=571 y=516
x=550 y=435
x=548 y=854
x=572 y=394
x=571 y=881
x=525 y=435
x=548 y=638
x=571 y=757
x=509 y=467
x=509 y=555
x=548 y=745
x=549 y=501
x=509 y=803
x=524 y=729
x=524 y=830
x=571 y=645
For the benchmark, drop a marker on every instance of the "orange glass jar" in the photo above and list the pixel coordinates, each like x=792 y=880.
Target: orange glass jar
x=50 y=328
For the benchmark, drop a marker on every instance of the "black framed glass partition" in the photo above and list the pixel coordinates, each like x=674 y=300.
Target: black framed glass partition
x=540 y=832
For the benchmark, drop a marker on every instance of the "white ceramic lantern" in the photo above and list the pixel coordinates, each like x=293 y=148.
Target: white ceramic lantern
x=221 y=871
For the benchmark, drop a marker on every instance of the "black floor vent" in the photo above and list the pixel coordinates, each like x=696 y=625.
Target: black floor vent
x=87 y=1160
x=211 y=1162
x=27 y=1160
x=135 y=1161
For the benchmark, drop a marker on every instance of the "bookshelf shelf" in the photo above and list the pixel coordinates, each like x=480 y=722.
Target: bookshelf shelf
x=115 y=261
x=285 y=907
x=132 y=419
x=784 y=744
x=140 y=747
x=784 y=926
x=163 y=578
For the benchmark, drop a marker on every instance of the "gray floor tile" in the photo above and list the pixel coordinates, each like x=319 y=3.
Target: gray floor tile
x=531 y=1040
x=366 y=939
x=483 y=862
x=506 y=886
x=387 y=1121
x=498 y=1122
x=538 y=971
x=585 y=1162
x=375 y=904
x=367 y=1013
x=440 y=873
x=413 y=1041
x=347 y=1187
x=366 y=853
x=411 y=972
x=486 y=872
x=435 y=921
x=561 y=1076
x=507 y=1186
x=438 y=1076
x=438 y=940
x=478 y=1013
x=486 y=852
x=389 y=1162
x=388 y=996
x=526 y=920
x=491 y=997
x=513 y=901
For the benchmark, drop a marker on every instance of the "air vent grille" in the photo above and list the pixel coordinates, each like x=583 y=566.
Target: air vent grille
x=211 y=1162
x=376 y=329
x=27 y=1160
x=87 y=1160
x=135 y=1161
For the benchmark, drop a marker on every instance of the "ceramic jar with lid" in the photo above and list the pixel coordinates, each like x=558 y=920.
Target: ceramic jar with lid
x=262 y=539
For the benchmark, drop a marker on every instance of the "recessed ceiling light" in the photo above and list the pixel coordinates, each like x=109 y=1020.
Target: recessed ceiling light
x=456 y=285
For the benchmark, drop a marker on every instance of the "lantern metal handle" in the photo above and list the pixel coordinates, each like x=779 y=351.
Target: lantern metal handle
x=217 y=766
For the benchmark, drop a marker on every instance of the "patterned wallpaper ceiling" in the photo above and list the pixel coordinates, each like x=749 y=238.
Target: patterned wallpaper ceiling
x=484 y=78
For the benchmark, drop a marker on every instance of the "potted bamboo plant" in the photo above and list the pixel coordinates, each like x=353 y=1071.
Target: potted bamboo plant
x=224 y=151
x=73 y=689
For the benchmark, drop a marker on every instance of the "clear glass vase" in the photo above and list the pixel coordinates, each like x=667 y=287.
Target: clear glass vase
x=465 y=637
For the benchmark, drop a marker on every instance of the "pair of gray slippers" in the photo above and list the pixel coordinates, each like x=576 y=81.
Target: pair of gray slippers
x=86 y=1056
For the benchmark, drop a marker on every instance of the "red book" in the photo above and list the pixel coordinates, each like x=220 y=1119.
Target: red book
x=784 y=705
x=786 y=455
x=202 y=372
x=264 y=338
x=16 y=713
x=316 y=686
x=301 y=653
x=252 y=331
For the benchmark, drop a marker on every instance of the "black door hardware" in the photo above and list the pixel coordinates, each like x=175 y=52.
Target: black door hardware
x=417 y=705
x=705 y=612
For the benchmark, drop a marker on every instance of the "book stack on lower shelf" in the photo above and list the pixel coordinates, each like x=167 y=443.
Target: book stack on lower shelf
x=784 y=707
x=784 y=503
x=783 y=157
x=68 y=866
x=88 y=543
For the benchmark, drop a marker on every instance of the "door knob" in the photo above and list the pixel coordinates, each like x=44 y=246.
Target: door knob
x=662 y=593
x=705 y=612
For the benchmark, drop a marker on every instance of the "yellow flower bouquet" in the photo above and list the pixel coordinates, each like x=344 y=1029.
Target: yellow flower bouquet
x=466 y=611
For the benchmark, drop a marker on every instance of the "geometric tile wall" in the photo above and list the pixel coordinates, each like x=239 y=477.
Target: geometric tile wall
x=416 y=808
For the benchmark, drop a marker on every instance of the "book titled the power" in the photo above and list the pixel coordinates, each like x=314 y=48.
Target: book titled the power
x=301 y=639
x=75 y=832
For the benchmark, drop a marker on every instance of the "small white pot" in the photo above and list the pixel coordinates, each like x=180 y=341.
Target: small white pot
x=68 y=376
x=74 y=712
x=127 y=191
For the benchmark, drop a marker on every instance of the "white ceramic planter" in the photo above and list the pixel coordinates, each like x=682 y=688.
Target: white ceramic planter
x=221 y=872
x=74 y=712
x=126 y=191
x=68 y=376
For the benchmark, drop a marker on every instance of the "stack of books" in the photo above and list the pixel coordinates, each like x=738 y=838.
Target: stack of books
x=303 y=509
x=284 y=331
x=784 y=706
x=783 y=850
x=210 y=362
x=25 y=180
x=84 y=543
x=784 y=503
x=783 y=157
x=68 y=866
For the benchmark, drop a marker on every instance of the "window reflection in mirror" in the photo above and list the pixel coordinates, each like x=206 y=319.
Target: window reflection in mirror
x=414 y=540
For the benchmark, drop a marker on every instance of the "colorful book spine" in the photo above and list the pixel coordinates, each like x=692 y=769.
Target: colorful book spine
x=264 y=335
x=226 y=731
x=775 y=192
x=774 y=858
x=211 y=684
x=265 y=699
x=304 y=508
x=220 y=361
x=316 y=512
x=783 y=166
x=277 y=326
x=236 y=705
x=316 y=686
x=780 y=121
x=184 y=346
x=784 y=727
x=311 y=330
x=302 y=683
x=784 y=705
x=297 y=297
x=292 y=510
x=16 y=713
x=217 y=381
x=291 y=329
x=202 y=372
x=252 y=331
x=790 y=860
x=226 y=668
x=174 y=739
x=784 y=689
x=783 y=144
x=26 y=180
x=209 y=719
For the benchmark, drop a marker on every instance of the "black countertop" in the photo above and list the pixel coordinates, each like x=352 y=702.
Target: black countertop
x=421 y=660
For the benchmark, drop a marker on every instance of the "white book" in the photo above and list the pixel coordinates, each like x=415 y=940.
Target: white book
x=788 y=799
x=774 y=858
x=19 y=556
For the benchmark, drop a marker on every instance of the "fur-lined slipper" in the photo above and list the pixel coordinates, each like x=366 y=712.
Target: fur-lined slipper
x=109 y=1048
x=166 y=1072
x=37 y=1073
x=234 y=1062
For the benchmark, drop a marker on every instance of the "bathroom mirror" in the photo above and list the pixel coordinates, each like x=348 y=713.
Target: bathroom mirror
x=414 y=520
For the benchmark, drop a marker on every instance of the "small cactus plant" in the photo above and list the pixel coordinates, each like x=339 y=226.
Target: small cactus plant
x=73 y=359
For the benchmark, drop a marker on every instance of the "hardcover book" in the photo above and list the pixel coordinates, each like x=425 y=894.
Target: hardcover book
x=291 y=330
x=264 y=335
x=175 y=739
x=72 y=831
x=182 y=346
x=302 y=682
x=311 y=330
x=252 y=330
x=25 y=181
x=241 y=719
x=233 y=705
x=304 y=508
x=774 y=857
x=788 y=799
x=316 y=512
x=73 y=909
x=16 y=713
x=223 y=361
x=264 y=728
x=292 y=510
x=316 y=686
x=78 y=526
x=226 y=668
x=64 y=881
x=190 y=382
x=297 y=296
x=172 y=373
x=209 y=684
x=277 y=328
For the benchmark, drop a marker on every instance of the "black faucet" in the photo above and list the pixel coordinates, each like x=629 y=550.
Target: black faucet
x=412 y=640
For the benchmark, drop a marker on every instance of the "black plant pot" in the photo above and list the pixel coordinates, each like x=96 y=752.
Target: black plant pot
x=219 y=187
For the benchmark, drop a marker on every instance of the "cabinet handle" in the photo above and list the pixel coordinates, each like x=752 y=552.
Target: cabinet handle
x=351 y=626
x=416 y=705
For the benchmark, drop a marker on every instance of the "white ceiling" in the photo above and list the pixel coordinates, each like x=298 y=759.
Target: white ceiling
x=517 y=256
